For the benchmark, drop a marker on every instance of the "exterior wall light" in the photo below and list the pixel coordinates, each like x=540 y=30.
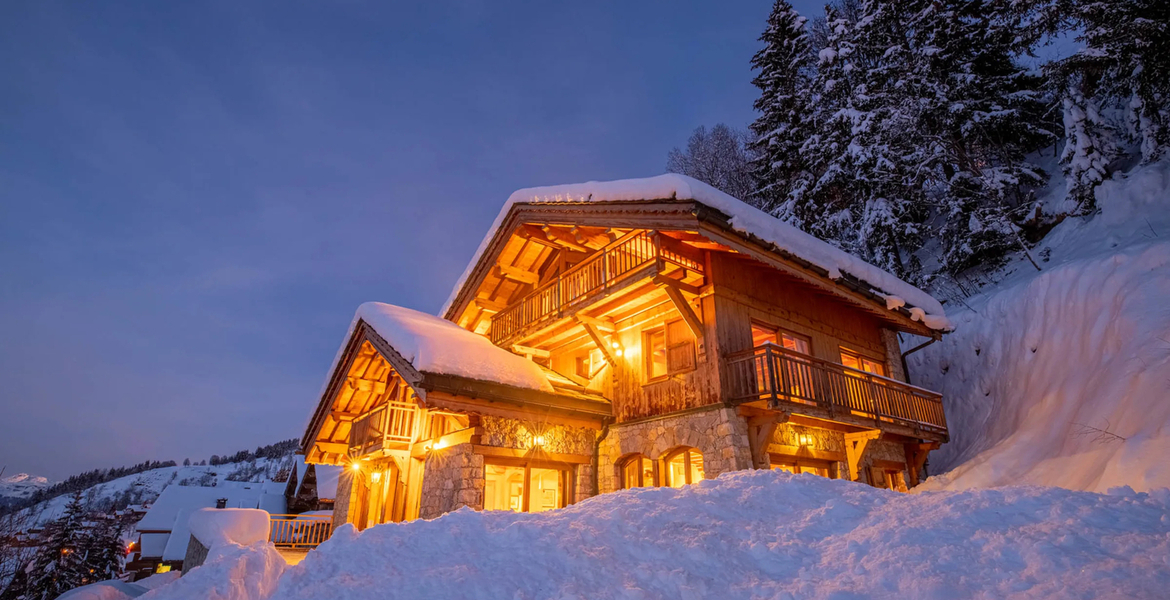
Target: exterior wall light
x=805 y=439
x=538 y=440
x=356 y=467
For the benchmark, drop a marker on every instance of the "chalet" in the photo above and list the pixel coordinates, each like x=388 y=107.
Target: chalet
x=611 y=335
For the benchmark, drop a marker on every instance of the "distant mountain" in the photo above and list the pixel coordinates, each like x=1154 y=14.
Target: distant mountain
x=21 y=486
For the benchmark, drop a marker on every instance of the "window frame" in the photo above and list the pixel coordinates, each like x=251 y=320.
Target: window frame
x=566 y=477
x=778 y=332
x=625 y=463
x=668 y=344
x=862 y=359
x=686 y=452
x=830 y=466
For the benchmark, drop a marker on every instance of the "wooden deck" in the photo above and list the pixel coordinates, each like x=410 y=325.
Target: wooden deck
x=792 y=381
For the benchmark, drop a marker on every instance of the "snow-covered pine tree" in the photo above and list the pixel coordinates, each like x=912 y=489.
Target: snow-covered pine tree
x=103 y=550
x=718 y=157
x=783 y=80
x=59 y=566
x=978 y=115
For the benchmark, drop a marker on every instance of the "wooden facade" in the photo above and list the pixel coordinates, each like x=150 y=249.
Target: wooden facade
x=665 y=333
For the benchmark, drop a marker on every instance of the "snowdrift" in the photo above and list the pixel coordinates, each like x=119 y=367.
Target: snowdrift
x=1063 y=377
x=749 y=534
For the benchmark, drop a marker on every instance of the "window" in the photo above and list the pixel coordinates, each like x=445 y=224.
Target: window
x=762 y=332
x=854 y=360
x=670 y=350
x=588 y=365
x=791 y=464
x=637 y=471
x=523 y=487
x=890 y=479
x=683 y=467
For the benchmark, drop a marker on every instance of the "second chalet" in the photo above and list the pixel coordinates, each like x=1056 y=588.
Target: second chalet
x=610 y=335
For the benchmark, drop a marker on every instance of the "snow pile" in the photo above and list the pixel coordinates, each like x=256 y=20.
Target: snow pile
x=762 y=534
x=104 y=590
x=1061 y=377
x=220 y=526
x=435 y=345
x=231 y=572
x=744 y=218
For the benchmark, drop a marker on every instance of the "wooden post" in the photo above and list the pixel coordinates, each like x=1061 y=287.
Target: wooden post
x=855 y=444
x=916 y=457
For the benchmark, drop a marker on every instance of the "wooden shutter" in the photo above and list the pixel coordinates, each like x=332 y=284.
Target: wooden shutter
x=680 y=348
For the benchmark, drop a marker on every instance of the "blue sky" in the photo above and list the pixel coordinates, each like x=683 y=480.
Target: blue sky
x=194 y=197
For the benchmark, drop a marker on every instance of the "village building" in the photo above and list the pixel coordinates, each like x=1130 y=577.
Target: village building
x=612 y=335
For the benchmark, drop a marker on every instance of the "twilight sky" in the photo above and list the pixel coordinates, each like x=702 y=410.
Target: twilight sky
x=195 y=197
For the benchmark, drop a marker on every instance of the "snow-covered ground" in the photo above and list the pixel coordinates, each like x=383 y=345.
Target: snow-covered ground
x=1062 y=377
x=750 y=534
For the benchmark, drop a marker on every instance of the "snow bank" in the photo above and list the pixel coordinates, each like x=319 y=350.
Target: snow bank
x=435 y=345
x=762 y=534
x=744 y=218
x=220 y=526
x=104 y=590
x=231 y=572
x=1061 y=377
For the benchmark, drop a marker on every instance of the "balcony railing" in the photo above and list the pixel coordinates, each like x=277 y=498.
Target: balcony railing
x=299 y=531
x=383 y=427
x=591 y=277
x=774 y=373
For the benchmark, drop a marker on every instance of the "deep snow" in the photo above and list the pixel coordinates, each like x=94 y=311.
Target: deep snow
x=750 y=534
x=1062 y=377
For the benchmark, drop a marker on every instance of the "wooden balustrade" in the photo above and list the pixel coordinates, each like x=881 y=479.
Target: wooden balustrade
x=385 y=425
x=774 y=373
x=299 y=531
x=591 y=276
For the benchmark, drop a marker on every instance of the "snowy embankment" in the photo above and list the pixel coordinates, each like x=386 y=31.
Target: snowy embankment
x=1062 y=377
x=750 y=534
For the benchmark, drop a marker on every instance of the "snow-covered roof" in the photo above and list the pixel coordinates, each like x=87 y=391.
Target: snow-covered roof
x=152 y=545
x=435 y=345
x=327 y=476
x=180 y=537
x=744 y=218
x=176 y=498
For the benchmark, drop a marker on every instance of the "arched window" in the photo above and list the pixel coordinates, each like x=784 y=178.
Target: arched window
x=637 y=471
x=684 y=466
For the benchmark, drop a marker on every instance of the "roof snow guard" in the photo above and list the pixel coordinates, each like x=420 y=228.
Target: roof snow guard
x=747 y=222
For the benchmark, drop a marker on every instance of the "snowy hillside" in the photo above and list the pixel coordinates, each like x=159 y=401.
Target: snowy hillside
x=21 y=486
x=1063 y=377
x=749 y=534
x=146 y=486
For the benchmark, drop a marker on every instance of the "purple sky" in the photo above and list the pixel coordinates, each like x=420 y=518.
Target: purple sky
x=194 y=197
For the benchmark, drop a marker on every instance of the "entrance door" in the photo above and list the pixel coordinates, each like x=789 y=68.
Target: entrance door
x=377 y=491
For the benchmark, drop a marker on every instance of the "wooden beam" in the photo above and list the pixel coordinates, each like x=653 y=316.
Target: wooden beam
x=534 y=453
x=605 y=325
x=916 y=458
x=517 y=274
x=686 y=287
x=855 y=444
x=332 y=447
x=530 y=352
x=344 y=416
x=606 y=351
x=490 y=305
x=566 y=239
x=760 y=430
x=688 y=315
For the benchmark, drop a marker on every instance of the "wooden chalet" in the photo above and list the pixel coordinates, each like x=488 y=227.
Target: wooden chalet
x=626 y=334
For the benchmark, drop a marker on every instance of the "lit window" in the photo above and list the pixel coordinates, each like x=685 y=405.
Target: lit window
x=505 y=488
x=797 y=466
x=637 y=471
x=655 y=345
x=766 y=333
x=670 y=350
x=684 y=467
x=854 y=360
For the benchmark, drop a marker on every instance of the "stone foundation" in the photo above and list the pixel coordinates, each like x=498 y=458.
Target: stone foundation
x=718 y=433
x=341 y=505
x=452 y=479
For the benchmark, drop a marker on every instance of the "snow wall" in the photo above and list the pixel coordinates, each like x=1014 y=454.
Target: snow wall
x=1062 y=377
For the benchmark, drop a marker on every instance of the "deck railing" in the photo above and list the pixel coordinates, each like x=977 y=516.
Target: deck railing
x=385 y=424
x=594 y=275
x=774 y=373
x=299 y=531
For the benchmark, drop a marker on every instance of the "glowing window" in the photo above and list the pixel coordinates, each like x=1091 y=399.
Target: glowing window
x=670 y=350
x=810 y=466
x=854 y=360
x=766 y=333
x=683 y=467
x=637 y=471
x=523 y=488
x=655 y=345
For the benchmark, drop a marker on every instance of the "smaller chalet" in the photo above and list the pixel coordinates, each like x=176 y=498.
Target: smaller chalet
x=609 y=335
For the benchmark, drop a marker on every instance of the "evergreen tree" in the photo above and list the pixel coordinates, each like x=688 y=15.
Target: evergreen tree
x=59 y=565
x=780 y=174
x=718 y=158
x=103 y=550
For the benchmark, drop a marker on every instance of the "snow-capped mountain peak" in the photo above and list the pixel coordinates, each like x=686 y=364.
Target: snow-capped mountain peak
x=22 y=485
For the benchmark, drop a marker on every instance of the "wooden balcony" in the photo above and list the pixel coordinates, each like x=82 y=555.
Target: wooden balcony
x=388 y=426
x=299 y=531
x=791 y=381
x=631 y=257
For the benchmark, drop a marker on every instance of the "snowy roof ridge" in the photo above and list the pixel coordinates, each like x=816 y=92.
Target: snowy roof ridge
x=744 y=218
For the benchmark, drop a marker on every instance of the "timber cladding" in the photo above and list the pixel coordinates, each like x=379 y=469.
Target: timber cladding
x=747 y=291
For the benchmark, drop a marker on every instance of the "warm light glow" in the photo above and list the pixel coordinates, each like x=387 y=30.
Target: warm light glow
x=538 y=440
x=618 y=352
x=376 y=476
x=805 y=439
x=615 y=344
x=356 y=467
x=439 y=445
x=163 y=569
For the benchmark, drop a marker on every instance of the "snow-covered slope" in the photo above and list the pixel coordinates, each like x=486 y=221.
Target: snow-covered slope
x=21 y=486
x=749 y=534
x=1063 y=377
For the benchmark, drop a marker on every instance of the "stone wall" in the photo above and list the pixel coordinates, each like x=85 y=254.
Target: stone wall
x=557 y=439
x=341 y=506
x=718 y=433
x=893 y=354
x=452 y=479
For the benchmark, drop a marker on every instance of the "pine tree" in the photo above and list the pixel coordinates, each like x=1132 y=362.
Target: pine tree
x=783 y=80
x=717 y=157
x=103 y=550
x=59 y=566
